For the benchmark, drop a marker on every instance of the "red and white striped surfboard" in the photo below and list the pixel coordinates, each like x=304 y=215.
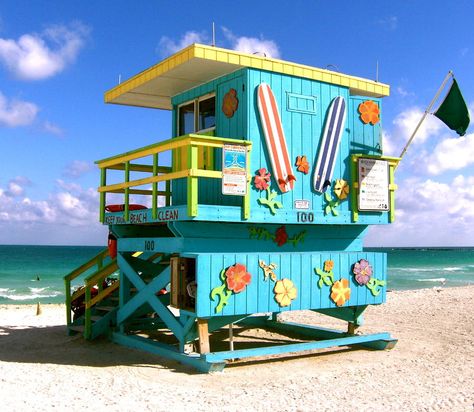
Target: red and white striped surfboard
x=275 y=138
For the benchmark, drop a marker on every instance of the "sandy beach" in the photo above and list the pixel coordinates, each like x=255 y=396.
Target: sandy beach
x=431 y=368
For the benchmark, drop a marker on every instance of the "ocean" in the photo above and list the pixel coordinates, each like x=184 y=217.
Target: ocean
x=21 y=266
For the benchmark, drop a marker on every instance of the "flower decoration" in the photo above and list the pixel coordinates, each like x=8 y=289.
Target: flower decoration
x=230 y=103
x=261 y=179
x=237 y=278
x=285 y=291
x=340 y=292
x=302 y=164
x=328 y=265
x=362 y=271
x=281 y=237
x=369 y=112
x=341 y=189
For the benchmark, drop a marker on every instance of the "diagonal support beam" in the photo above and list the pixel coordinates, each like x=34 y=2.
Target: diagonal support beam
x=147 y=294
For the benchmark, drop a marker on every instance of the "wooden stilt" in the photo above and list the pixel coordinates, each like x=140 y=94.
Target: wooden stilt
x=203 y=330
x=351 y=328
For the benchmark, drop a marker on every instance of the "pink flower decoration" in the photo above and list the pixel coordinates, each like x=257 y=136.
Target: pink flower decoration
x=261 y=180
x=362 y=271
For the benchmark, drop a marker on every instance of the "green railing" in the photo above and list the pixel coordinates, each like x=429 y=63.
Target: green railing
x=187 y=149
x=101 y=269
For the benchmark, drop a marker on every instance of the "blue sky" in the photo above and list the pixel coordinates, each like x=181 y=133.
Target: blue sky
x=57 y=58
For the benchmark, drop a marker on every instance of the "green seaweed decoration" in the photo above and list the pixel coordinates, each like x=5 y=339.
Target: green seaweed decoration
x=375 y=285
x=270 y=201
x=332 y=205
x=221 y=292
x=341 y=190
x=326 y=276
x=280 y=237
x=234 y=280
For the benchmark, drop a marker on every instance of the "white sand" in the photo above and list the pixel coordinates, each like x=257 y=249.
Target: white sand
x=431 y=368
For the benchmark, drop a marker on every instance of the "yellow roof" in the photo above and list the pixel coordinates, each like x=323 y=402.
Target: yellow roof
x=199 y=64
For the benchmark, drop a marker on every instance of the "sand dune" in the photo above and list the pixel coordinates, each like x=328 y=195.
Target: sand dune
x=431 y=368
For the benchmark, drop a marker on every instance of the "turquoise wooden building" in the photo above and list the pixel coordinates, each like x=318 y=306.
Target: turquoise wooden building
x=225 y=219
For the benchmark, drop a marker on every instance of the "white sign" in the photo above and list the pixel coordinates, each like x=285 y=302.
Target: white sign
x=373 y=185
x=301 y=204
x=234 y=170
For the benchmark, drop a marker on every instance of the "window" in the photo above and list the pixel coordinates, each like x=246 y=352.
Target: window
x=186 y=119
x=207 y=113
x=191 y=120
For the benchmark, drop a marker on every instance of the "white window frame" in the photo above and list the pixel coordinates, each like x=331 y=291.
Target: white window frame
x=196 y=114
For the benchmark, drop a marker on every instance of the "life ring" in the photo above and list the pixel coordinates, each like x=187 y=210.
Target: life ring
x=121 y=208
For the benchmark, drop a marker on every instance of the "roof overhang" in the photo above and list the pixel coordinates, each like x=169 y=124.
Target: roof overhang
x=198 y=64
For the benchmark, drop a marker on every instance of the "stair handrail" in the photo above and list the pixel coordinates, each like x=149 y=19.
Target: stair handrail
x=97 y=260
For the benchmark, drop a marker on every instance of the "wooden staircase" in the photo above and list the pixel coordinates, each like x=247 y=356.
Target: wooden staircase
x=91 y=309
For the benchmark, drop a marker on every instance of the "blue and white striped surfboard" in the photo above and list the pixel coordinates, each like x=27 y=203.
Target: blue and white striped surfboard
x=329 y=148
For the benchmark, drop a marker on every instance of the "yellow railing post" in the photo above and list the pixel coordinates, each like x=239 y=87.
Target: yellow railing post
x=103 y=182
x=127 y=191
x=88 y=314
x=192 y=180
x=67 y=286
x=154 y=199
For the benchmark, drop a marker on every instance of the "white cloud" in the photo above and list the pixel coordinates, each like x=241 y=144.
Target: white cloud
x=77 y=168
x=15 y=112
x=389 y=23
x=16 y=186
x=39 y=56
x=168 y=46
x=387 y=144
x=68 y=205
x=430 y=213
x=406 y=122
x=52 y=128
x=252 y=45
x=451 y=154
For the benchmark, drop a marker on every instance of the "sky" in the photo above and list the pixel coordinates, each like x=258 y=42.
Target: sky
x=57 y=58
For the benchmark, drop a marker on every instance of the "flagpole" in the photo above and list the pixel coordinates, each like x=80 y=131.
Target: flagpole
x=448 y=76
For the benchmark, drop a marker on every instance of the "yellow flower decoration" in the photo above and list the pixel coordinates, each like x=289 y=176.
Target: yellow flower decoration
x=340 y=292
x=328 y=265
x=285 y=292
x=341 y=189
x=369 y=112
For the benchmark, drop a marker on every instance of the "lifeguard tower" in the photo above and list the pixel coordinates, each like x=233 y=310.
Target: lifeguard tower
x=258 y=204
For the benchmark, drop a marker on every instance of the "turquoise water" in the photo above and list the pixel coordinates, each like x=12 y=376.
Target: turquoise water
x=21 y=265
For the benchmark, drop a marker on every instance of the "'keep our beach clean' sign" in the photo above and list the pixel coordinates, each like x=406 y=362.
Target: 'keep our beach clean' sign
x=373 y=185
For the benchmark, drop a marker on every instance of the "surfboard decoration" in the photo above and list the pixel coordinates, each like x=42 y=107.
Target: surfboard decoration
x=275 y=138
x=329 y=148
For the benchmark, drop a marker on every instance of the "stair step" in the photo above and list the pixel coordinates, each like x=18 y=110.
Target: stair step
x=113 y=298
x=77 y=328
x=95 y=318
x=106 y=308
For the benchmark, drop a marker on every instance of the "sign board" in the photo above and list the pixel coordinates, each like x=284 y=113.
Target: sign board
x=301 y=204
x=373 y=185
x=234 y=170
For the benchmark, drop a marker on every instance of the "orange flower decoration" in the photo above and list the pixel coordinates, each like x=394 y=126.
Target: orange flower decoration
x=340 y=292
x=237 y=278
x=302 y=164
x=230 y=103
x=369 y=112
x=328 y=265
